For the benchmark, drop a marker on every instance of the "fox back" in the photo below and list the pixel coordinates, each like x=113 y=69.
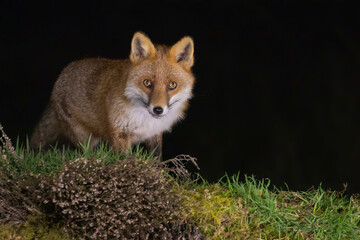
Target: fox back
x=120 y=101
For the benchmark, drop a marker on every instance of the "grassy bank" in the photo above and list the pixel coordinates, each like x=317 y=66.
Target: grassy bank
x=232 y=208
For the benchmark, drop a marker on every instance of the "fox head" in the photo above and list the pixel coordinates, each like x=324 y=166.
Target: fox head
x=160 y=78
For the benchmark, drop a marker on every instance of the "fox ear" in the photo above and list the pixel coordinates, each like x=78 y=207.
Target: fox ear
x=141 y=47
x=183 y=52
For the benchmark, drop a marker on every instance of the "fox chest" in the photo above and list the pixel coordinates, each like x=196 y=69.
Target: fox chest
x=141 y=125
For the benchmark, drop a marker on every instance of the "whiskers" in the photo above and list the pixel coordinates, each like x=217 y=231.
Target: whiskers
x=172 y=104
x=143 y=102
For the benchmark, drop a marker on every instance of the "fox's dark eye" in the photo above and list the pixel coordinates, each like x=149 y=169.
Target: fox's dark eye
x=172 y=85
x=147 y=83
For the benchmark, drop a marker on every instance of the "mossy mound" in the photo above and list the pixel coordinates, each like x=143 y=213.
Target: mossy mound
x=217 y=214
x=128 y=197
x=36 y=227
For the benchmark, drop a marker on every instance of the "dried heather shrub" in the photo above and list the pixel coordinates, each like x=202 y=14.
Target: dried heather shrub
x=15 y=206
x=177 y=167
x=129 y=199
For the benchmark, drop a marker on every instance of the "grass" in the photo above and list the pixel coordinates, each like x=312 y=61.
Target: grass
x=314 y=214
x=51 y=161
x=232 y=208
x=254 y=209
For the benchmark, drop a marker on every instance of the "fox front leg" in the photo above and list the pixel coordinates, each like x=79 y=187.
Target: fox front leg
x=154 y=143
x=121 y=142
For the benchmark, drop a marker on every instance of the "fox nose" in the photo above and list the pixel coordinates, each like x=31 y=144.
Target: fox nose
x=158 y=110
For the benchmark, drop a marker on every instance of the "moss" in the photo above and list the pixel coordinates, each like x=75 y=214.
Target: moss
x=217 y=214
x=8 y=232
x=36 y=227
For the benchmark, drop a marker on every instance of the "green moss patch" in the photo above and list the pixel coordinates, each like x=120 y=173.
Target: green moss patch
x=217 y=214
x=36 y=227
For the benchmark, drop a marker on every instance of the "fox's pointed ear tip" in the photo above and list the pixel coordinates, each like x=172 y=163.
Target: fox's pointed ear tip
x=141 y=47
x=139 y=34
x=188 y=38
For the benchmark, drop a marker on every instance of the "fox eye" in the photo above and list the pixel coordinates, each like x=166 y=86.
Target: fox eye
x=147 y=83
x=172 y=85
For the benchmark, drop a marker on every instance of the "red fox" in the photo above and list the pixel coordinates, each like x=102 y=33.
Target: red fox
x=120 y=101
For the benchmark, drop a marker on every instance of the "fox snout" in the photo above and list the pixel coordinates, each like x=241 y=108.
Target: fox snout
x=158 y=106
x=158 y=111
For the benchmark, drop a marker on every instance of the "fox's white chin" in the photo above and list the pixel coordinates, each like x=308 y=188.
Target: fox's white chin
x=156 y=116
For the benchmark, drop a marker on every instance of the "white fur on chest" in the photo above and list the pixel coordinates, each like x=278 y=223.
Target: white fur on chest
x=142 y=125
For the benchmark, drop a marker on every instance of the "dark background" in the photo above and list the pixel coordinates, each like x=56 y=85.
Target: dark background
x=277 y=91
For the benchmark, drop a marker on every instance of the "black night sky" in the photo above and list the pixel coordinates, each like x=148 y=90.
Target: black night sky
x=277 y=90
